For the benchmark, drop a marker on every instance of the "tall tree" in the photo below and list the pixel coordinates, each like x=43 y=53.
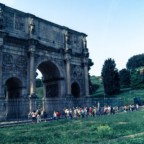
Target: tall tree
x=125 y=78
x=110 y=77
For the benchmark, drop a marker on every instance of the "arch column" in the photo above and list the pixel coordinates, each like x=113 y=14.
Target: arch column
x=68 y=66
x=1 y=46
x=68 y=76
x=2 y=36
x=32 y=50
x=32 y=47
x=85 y=63
x=44 y=97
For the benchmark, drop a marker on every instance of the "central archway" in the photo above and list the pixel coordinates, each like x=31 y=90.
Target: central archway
x=13 y=87
x=51 y=79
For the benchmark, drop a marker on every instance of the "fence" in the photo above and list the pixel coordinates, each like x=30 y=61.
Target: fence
x=18 y=109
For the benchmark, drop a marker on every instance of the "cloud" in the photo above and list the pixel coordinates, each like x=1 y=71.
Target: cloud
x=8 y=2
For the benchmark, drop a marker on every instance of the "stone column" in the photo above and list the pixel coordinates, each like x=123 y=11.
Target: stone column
x=32 y=47
x=1 y=47
x=85 y=63
x=44 y=97
x=2 y=35
x=68 y=76
x=32 y=73
x=68 y=66
x=86 y=77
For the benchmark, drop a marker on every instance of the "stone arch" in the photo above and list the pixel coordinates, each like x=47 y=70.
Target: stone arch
x=75 y=89
x=13 y=91
x=13 y=87
x=52 y=76
x=58 y=65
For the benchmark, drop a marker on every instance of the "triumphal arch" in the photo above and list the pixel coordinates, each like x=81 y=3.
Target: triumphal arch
x=28 y=43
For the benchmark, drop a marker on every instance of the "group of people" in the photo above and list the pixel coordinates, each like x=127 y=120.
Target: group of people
x=37 y=115
x=80 y=112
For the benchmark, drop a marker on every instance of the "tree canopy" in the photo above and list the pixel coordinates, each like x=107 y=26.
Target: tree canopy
x=135 y=61
x=110 y=77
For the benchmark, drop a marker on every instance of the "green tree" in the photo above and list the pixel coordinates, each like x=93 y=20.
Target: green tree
x=110 y=77
x=90 y=63
x=125 y=78
x=135 y=62
x=92 y=87
x=137 y=79
x=136 y=66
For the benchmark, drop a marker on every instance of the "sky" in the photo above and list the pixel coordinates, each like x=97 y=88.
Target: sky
x=115 y=28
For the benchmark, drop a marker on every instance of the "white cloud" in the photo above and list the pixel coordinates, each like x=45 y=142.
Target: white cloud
x=8 y=2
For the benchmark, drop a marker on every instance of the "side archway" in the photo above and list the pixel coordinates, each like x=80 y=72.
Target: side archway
x=13 y=90
x=75 y=89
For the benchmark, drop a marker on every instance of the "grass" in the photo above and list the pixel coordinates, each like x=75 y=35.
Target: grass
x=108 y=129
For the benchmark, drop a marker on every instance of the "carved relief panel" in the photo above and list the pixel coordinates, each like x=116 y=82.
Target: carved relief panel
x=52 y=35
x=14 y=64
x=9 y=20
x=19 y=23
x=76 y=72
x=75 y=42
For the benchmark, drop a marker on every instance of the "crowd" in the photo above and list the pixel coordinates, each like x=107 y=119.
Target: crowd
x=37 y=116
x=79 y=112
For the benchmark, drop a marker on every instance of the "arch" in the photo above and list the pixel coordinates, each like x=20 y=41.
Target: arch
x=52 y=79
x=60 y=69
x=13 y=88
x=75 y=89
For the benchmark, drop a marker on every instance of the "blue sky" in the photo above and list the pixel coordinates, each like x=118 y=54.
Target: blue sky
x=115 y=28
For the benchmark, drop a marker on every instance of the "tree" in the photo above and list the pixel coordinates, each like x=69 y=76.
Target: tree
x=136 y=66
x=90 y=63
x=137 y=79
x=110 y=77
x=125 y=78
x=92 y=87
x=135 y=61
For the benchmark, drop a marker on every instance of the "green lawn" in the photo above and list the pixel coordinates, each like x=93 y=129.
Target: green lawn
x=109 y=129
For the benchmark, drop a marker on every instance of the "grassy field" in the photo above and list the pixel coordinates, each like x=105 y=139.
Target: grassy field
x=111 y=129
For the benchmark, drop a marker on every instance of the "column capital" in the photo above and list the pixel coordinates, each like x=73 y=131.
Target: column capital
x=85 y=53
x=85 y=61
x=67 y=57
x=31 y=49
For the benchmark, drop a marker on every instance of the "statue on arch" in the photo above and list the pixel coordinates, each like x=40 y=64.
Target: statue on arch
x=31 y=26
